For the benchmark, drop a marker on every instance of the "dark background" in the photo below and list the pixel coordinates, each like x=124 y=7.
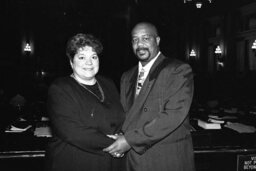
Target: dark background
x=48 y=24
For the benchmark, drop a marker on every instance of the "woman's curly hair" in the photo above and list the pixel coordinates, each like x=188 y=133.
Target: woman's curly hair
x=81 y=40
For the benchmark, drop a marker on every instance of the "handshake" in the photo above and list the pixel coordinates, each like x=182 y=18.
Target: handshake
x=119 y=147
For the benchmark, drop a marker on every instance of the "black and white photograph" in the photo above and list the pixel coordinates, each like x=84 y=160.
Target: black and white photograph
x=128 y=85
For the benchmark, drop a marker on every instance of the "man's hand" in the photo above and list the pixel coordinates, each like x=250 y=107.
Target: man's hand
x=119 y=147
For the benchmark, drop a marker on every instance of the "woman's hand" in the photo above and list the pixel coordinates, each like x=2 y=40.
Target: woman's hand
x=115 y=136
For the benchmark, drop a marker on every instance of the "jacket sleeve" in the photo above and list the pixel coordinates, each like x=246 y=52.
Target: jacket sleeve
x=175 y=104
x=67 y=125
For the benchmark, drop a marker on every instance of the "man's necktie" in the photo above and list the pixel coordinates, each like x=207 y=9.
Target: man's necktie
x=140 y=81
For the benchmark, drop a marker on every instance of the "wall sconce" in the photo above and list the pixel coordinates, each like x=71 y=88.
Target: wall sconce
x=27 y=48
x=199 y=4
x=219 y=58
x=218 y=50
x=192 y=53
x=254 y=47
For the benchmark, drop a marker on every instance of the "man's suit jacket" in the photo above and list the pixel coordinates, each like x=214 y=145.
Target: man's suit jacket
x=157 y=123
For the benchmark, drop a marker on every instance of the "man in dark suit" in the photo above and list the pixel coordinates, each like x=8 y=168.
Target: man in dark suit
x=156 y=130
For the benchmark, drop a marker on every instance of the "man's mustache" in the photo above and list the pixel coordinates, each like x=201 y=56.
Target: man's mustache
x=142 y=48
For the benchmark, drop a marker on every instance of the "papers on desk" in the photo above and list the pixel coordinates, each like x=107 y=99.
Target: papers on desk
x=208 y=125
x=241 y=128
x=211 y=122
x=231 y=122
x=227 y=117
x=14 y=129
x=42 y=129
x=43 y=132
x=217 y=121
x=18 y=126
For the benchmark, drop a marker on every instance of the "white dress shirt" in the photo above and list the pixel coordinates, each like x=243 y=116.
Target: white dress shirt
x=146 y=69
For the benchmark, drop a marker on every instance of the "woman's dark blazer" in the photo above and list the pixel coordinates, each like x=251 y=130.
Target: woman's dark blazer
x=79 y=124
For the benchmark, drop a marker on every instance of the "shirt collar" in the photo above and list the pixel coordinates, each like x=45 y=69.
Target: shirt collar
x=149 y=65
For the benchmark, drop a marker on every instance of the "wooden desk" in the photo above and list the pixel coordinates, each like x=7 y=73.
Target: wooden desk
x=213 y=149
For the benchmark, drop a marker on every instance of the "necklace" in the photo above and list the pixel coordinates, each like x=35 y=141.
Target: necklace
x=98 y=85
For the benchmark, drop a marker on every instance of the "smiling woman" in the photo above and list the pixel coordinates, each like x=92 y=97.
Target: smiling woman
x=83 y=108
x=85 y=65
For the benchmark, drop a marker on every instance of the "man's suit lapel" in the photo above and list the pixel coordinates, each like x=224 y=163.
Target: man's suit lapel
x=131 y=88
x=147 y=86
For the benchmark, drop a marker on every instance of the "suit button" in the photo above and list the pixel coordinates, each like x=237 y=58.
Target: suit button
x=145 y=109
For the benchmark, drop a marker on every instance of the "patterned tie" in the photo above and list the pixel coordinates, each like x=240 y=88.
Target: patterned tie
x=140 y=81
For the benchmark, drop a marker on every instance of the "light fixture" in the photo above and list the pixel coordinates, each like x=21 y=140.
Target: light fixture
x=27 y=48
x=254 y=45
x=192 y=53
x=218 y=50
x=219 y=58
x=198 y=3
x=185 y=1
